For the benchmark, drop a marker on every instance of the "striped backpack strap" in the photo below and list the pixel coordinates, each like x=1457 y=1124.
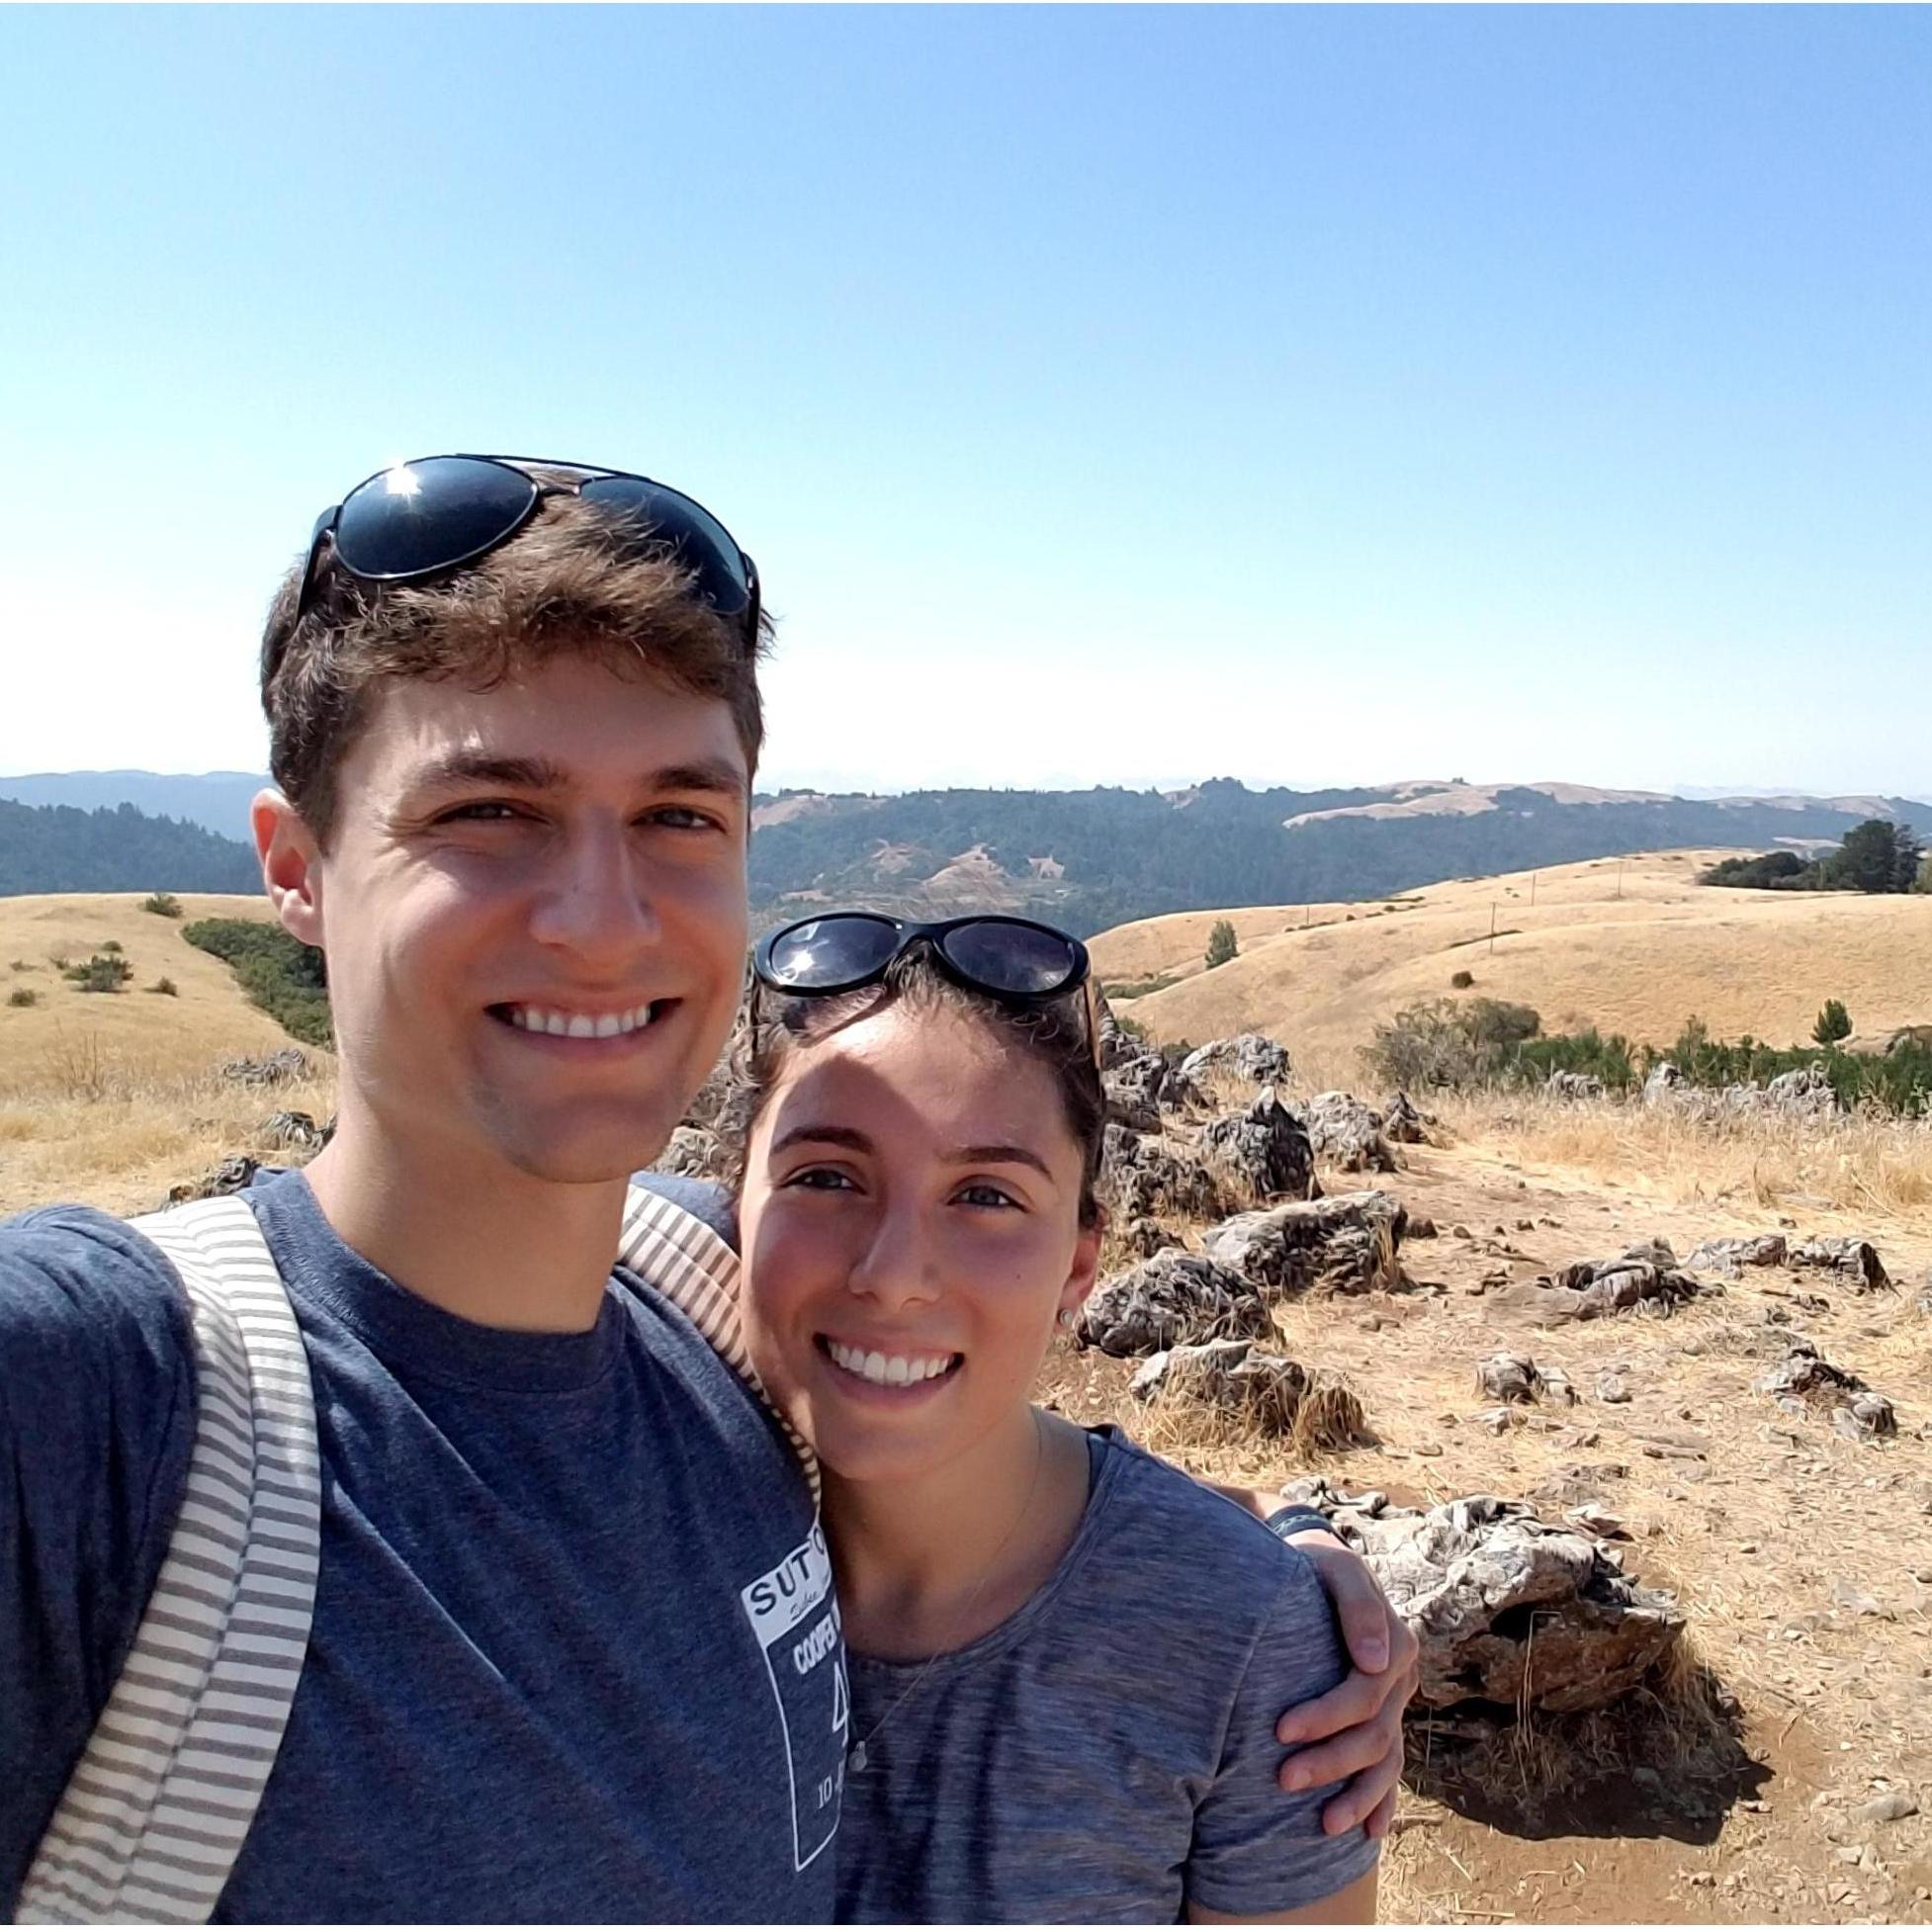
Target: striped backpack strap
x=693 y=1267
x=156 y=1812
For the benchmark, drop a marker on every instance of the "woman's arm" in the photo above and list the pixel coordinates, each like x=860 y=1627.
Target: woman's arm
x=1354 y=1732
x=1353 y=1904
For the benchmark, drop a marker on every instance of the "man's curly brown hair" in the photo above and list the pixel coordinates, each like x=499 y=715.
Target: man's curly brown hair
x=566 y=583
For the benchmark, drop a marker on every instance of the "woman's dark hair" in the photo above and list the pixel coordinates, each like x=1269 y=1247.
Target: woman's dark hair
x=1054 y=1035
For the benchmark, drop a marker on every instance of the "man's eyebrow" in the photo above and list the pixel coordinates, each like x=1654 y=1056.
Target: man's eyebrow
x=541 y=775
x=828 y=1135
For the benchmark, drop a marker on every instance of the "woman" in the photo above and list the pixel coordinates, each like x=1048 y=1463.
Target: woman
x=1026 y=1739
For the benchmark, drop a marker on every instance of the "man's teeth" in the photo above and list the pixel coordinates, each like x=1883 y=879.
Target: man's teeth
x=580 y=1025
x=889 y=1372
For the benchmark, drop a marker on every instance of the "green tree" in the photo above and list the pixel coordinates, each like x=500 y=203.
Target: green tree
x=1924 y=881
x=1221 y=946
x=1834 y=1024
x=1876 y=856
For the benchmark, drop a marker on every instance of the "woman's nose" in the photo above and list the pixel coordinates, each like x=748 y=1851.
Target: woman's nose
x=896 y=1268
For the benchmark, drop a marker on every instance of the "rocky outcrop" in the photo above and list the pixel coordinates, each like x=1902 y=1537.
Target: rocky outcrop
x=1857 y=1261
x=1805 y=1382
x=1347 y=1134
x=1263 y=1154
x=1644 y=1278
x=230 y=1177
x=1806 y=1090
x=1144 y=1179
x=1506 y=1378
x=1663 y=1084
x=1403 y=1120
x=1347 y=1243
x=694 y=1150
x=1172 y=1299
x=1573 y=1087
x=1252 y=1388
x=277 y=1069
x=1248 y=1056
x=1730 y=1258
x=293 y=1131
x=1508 y=1610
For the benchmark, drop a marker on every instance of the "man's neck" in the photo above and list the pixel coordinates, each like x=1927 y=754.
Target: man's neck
x=933 y=1564
x=489 y=1243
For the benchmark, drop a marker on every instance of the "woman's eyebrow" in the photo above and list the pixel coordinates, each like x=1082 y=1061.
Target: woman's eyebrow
x=998 y=1153
x=825 y=1135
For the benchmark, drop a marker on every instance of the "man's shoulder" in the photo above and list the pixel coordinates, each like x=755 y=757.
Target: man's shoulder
x=79 y=1287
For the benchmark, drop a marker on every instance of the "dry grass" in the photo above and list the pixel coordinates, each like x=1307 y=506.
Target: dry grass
x=110 y=1099
x=1857 y=1164
x=1633 y=946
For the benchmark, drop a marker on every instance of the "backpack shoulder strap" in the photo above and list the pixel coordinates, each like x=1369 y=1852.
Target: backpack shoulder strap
x=157 y=1807
x=693 y=1267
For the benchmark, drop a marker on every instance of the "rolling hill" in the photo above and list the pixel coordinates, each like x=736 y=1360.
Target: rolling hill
x=1632 y=946
x=116 y=848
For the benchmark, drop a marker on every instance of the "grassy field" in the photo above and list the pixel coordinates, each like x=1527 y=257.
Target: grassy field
x=110 y=1097
x=1629 y=945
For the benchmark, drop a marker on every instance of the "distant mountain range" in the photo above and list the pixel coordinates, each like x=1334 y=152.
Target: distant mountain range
x=1087 y=860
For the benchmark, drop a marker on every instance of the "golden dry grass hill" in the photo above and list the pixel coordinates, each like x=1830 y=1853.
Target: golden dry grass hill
x=1631 y=945
x=112 y=1097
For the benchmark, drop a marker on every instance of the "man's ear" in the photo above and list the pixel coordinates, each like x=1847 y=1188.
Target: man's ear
x=1087 y=1265
x=291 y=865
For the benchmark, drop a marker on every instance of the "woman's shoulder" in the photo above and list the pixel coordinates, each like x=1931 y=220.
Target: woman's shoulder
x=1200 y=1552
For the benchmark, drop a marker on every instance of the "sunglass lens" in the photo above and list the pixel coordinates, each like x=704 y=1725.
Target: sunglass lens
x=668 y=519
x=832 y=952
x=1011 y=957
x=429 y=515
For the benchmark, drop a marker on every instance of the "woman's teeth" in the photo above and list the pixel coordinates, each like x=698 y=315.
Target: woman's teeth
x=578 y=1026
x=889 y=1372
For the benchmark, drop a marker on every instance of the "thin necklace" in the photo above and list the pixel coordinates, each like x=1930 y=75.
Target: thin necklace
x=856 y=1758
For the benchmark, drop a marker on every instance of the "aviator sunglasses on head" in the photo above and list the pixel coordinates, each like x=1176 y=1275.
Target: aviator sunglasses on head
x=1017 y=961
x=416 y=520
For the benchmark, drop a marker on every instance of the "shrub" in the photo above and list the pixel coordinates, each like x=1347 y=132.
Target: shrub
x=1462 y=982
x=25 y=966
x=163 y=903
x=23 y=995
x=105 y=973
x=1133 y=1029
x=111 y=945
x=286 y=980
x=165 y=984
x=1136 y=989
x=1222 y=946
x=1777 y=870
x=1834 y=1024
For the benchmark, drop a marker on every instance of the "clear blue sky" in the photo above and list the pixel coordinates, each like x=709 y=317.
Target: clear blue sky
x=1106 y=395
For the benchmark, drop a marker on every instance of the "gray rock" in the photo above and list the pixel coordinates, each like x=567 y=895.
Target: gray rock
x=1507 y=1608
x=1612 y=1388
x=1249 y=1385
x=295 y=1130
x=1146 y=1178
x=1169 y=1300
x=1263 y=1154
x=1349 y=1243
x=1403 y=1120
x=230 y=1177
x=1506 y=1378
x=1805 y=1091
x=1573 y=1087
x=1644 y=1278
x=1250 y=1056
x=1889 y=1807
x=1730 y=1258
x=1663 y=1084
x=275 y=1069
x=1146 y=1237
x=1858 y=1261
x=1347 y=1134
x=1805 y=1382
x=694 y=1151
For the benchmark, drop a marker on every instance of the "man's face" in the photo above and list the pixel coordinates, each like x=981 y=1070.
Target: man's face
x=534 y=909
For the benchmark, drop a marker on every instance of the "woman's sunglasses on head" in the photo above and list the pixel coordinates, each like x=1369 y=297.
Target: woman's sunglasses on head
x=416 y=520
x=1017 y=961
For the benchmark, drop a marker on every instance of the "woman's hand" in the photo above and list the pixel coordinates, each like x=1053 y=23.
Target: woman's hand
x=1355 y=1730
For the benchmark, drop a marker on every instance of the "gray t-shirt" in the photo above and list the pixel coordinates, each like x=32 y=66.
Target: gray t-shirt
x=1107 y=1754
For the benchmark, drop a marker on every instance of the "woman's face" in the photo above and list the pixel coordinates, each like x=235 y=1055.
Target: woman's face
x=910 y=1229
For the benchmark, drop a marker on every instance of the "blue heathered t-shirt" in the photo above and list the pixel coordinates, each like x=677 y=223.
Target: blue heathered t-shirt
x=539 y=1686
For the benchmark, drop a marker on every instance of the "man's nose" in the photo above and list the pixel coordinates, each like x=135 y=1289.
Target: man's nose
x=595 y=899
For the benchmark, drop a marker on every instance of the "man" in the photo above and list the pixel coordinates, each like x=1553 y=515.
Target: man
x=514 y=719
